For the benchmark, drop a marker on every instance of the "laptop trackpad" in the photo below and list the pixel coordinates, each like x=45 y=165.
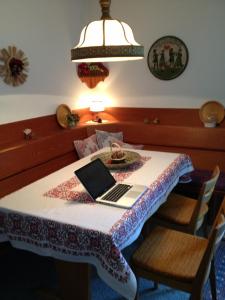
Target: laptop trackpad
x=133 y=194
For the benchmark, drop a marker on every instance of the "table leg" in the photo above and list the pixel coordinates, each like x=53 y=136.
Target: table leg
x=74 y=280
x=4 y=248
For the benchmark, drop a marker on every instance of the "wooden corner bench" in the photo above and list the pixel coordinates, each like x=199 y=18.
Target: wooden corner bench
x=22 y=162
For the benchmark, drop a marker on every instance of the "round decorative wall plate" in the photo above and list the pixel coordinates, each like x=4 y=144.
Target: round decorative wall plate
x=62 y=113
x=212 y=111
x=167 y=57
x=15 y=67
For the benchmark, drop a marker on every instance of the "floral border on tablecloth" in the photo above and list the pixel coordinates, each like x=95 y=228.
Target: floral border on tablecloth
x=78 y=242
x=67 y=240
x=64 y=190
x=131 y=219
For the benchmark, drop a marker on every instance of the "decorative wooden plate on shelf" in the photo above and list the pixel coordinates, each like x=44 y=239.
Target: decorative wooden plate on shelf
x=212 y=111
x=131 y=157
x=62 y=113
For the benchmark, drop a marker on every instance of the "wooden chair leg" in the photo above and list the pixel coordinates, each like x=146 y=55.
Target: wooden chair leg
x=212 y=279
x=197 y=293
x=196 y=296
x=74 y=280
x=4 y=248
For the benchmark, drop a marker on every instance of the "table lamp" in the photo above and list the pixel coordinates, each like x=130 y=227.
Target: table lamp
x=96 y=106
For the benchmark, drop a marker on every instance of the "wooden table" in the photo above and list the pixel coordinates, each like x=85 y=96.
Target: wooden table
x=55 y=217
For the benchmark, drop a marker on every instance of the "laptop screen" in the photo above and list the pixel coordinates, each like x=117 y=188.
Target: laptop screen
x=96 y=178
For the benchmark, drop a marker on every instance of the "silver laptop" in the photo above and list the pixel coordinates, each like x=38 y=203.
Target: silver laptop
x=103 y=188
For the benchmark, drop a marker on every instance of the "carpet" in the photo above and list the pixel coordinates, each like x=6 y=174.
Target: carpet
x=26 y=276
x=100 y=291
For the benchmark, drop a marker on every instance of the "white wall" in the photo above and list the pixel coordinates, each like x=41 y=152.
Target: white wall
x=47 y=29
x=200 y=24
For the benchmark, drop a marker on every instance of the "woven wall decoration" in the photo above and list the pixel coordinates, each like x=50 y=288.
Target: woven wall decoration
x=92 y=73
x=15 y=66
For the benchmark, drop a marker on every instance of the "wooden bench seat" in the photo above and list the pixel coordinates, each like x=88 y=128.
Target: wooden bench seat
x=22 y=162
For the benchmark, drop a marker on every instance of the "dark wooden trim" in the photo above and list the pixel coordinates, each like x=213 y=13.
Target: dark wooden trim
x=201 y=159
x=163 y=135
x=25 y=177
x=74 y=280
x=180 y=130
x=38 y=151
x=166 y=116
x=12 y=133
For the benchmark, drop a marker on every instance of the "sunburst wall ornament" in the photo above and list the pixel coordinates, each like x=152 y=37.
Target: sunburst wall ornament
x=15 y=68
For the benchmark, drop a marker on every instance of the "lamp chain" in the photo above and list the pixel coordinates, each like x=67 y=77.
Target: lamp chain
x=105 y=5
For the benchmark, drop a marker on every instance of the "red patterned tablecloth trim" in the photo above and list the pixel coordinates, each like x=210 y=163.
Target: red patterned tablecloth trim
x=64 y=190
x=131 y=219
x=66 y=240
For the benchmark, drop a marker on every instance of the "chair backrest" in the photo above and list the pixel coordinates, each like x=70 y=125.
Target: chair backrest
x=209 y=186
x=216 y=234
x=219 y=223
x=204 y=197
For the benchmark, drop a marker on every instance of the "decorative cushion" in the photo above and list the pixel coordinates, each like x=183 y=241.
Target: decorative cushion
x=103 y=137
x=86 y=146
x=107 y=142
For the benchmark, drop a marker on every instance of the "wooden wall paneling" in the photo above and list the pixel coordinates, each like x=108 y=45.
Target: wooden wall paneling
x=38 y=151
x=85 y=114
x=166 y=116
x=206 y=146
x=12 y=133
x=201 y=138
x=201 y=159
x=162 y=135
x=111 y=127
x=180 y=130
x=23 y=178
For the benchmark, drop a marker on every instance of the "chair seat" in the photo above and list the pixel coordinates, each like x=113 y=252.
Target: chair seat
x=168 y=252
x=179 y=209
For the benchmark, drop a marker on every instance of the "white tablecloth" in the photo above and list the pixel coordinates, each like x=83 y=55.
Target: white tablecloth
x=54 y=216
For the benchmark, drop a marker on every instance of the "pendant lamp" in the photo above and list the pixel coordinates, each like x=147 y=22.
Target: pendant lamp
x=106 y=40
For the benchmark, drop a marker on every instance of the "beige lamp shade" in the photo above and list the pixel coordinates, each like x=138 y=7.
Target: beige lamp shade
x=106 y=40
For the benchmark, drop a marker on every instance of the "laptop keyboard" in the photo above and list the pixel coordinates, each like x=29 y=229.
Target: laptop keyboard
x=117 y=192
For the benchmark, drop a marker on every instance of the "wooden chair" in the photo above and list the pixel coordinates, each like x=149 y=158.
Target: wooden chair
x=184 y=213
x=219 y=220
x=178 y=259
